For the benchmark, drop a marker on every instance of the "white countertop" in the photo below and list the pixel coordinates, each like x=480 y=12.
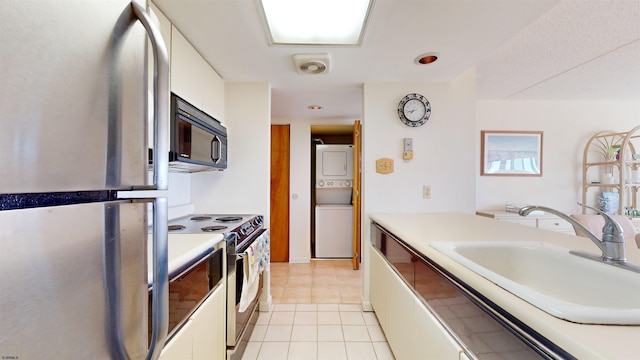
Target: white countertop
x=582 y=341
x=184 y=249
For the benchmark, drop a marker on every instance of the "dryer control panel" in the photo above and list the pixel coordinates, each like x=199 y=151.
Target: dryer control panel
x=334 y=183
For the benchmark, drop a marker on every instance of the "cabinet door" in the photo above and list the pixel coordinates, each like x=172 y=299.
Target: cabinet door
x=208 y=323
x=378 y=285
x=193 y=79
x=180 y=347
x=430 y=339
x=400 y=316
x=213 y=94
x=186 y=69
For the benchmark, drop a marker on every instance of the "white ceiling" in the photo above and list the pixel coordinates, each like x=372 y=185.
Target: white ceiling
x=523 y=49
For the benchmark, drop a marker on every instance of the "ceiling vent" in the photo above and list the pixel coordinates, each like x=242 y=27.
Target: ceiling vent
x=310 y=64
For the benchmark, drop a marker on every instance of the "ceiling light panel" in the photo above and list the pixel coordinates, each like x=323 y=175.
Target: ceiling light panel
x=312 y=22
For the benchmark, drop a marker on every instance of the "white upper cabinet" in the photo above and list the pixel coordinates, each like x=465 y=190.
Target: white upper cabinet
x=193 y=79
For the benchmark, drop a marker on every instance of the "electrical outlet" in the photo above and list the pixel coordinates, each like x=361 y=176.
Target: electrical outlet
x=426 y=192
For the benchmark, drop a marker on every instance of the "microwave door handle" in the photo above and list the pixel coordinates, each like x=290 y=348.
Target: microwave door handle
x=160 y=284
x=219 y=157
x=216 y=149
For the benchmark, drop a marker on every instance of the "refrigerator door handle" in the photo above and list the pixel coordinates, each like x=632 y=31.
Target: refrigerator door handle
x=160 y=100
x=160 y=292
x=160 y=283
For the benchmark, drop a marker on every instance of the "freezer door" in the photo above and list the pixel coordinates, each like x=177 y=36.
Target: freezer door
x=57 y=264
x=73 y=76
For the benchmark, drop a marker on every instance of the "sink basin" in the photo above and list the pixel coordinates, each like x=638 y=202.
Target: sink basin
x=548 y=277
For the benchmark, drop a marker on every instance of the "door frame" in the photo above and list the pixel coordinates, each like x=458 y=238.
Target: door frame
x=357 y=195
x=355 y=132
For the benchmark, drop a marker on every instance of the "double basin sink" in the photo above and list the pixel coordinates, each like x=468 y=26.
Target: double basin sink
x=548 y=277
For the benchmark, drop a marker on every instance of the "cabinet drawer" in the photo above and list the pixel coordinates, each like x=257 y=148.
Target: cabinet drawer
x=515 y=220
x=554 y=224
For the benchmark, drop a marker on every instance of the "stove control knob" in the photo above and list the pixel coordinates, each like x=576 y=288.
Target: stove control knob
x=320 y=183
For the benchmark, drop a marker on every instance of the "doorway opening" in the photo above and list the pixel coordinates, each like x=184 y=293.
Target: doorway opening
x=335 y=189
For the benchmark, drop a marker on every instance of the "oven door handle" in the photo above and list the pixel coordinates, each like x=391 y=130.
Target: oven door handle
x=242 y=255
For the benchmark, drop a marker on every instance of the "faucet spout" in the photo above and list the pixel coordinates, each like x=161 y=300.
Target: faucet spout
x=612 y=243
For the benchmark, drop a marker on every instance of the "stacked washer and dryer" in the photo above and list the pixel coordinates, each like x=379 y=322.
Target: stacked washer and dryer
x=334 y=209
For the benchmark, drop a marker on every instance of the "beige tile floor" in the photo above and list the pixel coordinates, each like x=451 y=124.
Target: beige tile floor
x=317 y=316
x=318 y=282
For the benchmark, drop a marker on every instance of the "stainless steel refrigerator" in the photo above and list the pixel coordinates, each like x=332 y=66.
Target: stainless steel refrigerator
x=74 y=106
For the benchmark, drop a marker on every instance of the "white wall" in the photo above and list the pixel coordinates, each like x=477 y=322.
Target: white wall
x=444 y=153
x=244 y=186
x=443 y=148
x=567 y=126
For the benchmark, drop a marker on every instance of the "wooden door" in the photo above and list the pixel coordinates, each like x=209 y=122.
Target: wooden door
x=357 y=185
x=279 y=226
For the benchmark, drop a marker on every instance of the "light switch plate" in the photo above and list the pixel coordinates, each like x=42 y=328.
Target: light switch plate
x=407 y=153
x=384 y=166
x=408 y=144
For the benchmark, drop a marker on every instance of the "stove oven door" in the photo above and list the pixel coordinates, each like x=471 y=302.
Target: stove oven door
x=239 y=322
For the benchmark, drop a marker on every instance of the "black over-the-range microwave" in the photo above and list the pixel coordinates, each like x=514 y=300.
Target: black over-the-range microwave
x=197 y=141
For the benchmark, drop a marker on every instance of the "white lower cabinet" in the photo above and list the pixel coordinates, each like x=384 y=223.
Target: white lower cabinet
x=431 y=340
x=181 y=345
x=411 y=329
x=377 y=288
x=400 y=318
x=203 y=335
x=209 y=327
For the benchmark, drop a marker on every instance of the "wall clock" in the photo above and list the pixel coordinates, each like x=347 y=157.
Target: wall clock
x=414 y=110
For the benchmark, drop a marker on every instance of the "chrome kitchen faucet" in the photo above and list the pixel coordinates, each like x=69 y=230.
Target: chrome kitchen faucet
x=612 y=244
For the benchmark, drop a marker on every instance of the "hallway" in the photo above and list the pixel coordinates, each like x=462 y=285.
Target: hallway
x=318 y=282
x=317 y=315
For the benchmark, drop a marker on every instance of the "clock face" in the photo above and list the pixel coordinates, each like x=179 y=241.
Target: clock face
x=414 y=110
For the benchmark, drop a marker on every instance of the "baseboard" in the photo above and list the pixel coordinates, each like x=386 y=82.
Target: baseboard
x=300 y=260
x=266 y=305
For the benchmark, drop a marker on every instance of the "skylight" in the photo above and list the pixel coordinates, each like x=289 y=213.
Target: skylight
x=313 y=22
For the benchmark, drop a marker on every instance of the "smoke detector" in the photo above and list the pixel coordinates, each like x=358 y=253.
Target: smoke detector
x=311 y=64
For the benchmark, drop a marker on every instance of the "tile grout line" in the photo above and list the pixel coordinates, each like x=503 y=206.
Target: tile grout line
x=295 y=306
